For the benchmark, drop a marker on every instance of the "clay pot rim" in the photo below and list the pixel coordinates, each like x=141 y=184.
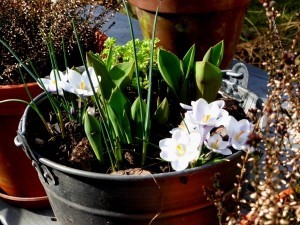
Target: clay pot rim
x=9 y=86
x=26 y=202
x=193 y=6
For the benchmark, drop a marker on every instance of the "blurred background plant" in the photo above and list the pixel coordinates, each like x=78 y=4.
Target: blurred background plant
x=254 y=38
x=25 y=24
x=268 y=186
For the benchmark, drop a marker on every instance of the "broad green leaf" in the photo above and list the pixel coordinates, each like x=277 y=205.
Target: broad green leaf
x=121 y=132
x=106 y=83
x=207 y=55
x=185 y=92
x=188 y=64
x=126 y=126
x=189 y=60
x=121 y=74
x=92 y=130
x=170 y=68
x=162 y=112
x=138 y=116
x=119 y=103
x=114 y=121
x=208 y=80
x=215 y=54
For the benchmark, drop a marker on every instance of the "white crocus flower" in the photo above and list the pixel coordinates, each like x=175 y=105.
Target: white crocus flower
x=207 y=113
x=80 y=83
x=190 y=124
x=55 y=83
x=181 y=149
x=216 y=144
x=238 y=132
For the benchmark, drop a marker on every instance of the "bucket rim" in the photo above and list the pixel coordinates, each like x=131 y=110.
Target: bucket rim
x=95 y=175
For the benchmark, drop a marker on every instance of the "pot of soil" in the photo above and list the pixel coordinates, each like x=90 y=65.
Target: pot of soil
x=19 y=183
x=84 y=197
x=203 y=22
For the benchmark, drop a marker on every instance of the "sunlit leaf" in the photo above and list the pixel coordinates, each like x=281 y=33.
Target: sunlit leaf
x=121 y=74
x=106 y=83
x=170 y=68
x=208 y=80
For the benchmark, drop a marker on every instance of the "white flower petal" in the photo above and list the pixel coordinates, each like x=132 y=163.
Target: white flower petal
x=179 y=165
x=74 y=78
x=225 y=151
x=93 y=77
x=220 y=103
x=186 y=107
x=223 y=121
x=223 y=144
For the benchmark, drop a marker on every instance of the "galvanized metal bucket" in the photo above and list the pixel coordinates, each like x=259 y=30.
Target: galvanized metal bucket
x=80 y=197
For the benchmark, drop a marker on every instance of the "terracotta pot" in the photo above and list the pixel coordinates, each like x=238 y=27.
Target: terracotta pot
x=79 y=197
x=19 y=182
x=180 y=24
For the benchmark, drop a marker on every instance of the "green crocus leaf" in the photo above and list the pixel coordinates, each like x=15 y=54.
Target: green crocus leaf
x=208 y=80
x=162 y=112
x=106 y=83
x=121 y=74
x=92 y=130
x=138 y=113
x=170 y=68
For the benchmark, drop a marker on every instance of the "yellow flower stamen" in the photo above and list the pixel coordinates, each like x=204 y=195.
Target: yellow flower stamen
x=180 y=150
x=206 y=118
x=82 y=85
x=215 y=145
x=239 y=135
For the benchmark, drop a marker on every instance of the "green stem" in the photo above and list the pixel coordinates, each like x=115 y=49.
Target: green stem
x=147 y=118
x=135 y=62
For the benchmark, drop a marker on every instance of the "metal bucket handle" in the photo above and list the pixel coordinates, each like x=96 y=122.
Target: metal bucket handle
x=44 y=172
